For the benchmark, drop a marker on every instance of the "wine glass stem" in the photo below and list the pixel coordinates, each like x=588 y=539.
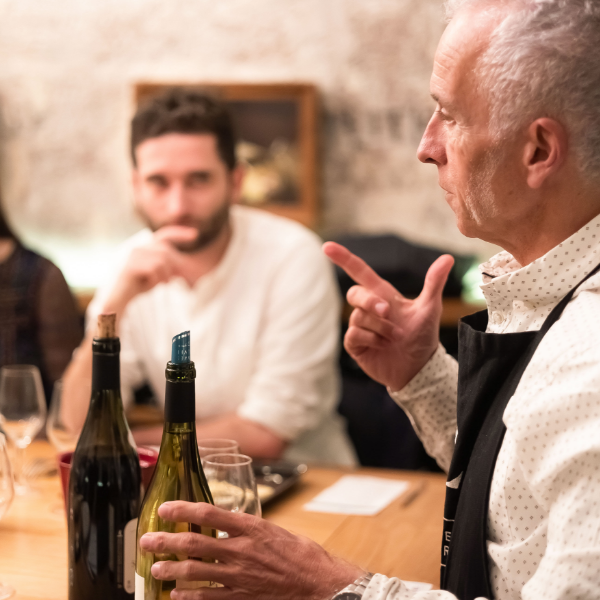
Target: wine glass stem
x=20 y=481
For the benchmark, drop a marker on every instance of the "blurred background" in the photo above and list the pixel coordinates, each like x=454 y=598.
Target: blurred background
x=67 y=92
x=330 y=97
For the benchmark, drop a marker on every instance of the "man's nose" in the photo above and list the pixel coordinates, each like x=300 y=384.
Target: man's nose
x=432 y=148
x=177 y=200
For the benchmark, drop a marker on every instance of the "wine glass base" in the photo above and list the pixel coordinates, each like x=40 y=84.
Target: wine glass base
x=6 y=591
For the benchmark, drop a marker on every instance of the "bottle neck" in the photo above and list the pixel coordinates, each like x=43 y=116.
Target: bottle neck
x=105 y=423
x=180 y=393
x=106 y=371
x=180 y=402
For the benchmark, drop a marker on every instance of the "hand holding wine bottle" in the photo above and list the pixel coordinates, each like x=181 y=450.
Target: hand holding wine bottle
x=257 y=560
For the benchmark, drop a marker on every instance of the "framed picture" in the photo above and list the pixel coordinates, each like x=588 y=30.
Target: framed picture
x=276 y=126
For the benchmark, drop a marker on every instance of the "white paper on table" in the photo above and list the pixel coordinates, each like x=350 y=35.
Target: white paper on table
x=357 y=495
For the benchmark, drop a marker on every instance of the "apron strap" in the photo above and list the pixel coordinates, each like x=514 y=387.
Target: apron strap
x=555 y=315
x=494 y=365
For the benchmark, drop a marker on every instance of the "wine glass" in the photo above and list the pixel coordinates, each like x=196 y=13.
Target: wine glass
x=232 y=483
x=6 y=496
x=60 y=435
x=217 y=446
x=22 y=411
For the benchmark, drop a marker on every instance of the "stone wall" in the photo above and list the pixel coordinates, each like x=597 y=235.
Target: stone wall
x=66 y=77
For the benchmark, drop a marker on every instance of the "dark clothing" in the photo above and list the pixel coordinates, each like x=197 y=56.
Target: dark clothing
x=39 y=321
x=490 y=368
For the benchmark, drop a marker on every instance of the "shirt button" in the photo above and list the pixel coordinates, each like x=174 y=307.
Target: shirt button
x=497 y=318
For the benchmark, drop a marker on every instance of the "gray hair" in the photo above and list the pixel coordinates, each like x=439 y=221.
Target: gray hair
x=544 y=61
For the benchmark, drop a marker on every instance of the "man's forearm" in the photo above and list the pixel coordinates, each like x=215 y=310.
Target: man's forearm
x=77 y=386
x=252 y=438
x=430 y=402
x=148 y=436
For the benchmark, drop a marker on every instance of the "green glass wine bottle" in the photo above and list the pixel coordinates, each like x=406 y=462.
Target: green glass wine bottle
x=104 y=485
x=178 y=474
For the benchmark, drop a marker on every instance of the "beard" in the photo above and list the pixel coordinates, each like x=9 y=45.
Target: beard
x=208 y=229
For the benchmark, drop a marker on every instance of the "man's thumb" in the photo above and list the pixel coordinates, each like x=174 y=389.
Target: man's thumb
x=436 y=278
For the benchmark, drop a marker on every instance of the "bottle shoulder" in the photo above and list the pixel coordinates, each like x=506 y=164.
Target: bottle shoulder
x=178 y=474
x=106 y=424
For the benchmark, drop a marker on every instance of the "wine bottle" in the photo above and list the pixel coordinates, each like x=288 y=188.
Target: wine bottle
x=178 y=474
x=104 y=486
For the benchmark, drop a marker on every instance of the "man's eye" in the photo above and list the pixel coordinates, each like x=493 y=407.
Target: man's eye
x=159 y=182
x=199 y=178
x=442 y=115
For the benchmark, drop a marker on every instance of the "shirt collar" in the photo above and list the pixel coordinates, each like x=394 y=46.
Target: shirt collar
x=548 y=278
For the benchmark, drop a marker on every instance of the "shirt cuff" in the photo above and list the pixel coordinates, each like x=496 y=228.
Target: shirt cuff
x=386 y=588
x=392 y=588
x=435 y=368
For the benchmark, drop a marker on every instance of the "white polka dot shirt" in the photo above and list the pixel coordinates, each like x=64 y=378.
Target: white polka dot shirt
x=544 y=511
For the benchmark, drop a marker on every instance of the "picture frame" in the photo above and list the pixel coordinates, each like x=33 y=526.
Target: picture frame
x=277 y=127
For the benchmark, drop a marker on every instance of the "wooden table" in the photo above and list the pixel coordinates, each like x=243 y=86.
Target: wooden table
x=403 y=540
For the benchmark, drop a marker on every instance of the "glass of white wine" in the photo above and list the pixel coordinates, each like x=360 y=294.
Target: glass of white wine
x=60 y=435
x=6 y=496
x=22 y=412
x=232 y=483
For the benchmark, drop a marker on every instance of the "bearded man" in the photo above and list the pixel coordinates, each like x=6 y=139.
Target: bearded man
x=254 y=289
x=515 y=137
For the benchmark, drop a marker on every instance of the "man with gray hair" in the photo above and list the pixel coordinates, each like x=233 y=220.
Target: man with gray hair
x=516 y=140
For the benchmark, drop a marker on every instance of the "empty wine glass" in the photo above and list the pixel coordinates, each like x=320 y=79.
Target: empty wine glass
x=61 y=437
x=22 y=412
x=232 y=483
x=6 y=496
x=217 y=446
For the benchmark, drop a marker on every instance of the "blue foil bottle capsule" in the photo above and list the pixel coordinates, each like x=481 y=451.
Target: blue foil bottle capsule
x=180 y=406
x=180 y=348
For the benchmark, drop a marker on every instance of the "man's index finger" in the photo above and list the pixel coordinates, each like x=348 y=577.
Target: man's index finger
x=358 y=270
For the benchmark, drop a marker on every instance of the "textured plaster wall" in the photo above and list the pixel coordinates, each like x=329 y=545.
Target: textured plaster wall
x=66 y=74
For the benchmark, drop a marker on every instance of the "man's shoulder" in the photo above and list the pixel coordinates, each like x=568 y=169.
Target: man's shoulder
x=582 y=315
x=272 y=231
x=576 y=335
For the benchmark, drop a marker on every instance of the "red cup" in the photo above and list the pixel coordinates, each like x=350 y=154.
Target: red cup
x=147 y=456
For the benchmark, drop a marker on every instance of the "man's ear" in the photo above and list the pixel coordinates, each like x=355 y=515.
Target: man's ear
x=135 y=182
x=237 y=178
x=545 y=151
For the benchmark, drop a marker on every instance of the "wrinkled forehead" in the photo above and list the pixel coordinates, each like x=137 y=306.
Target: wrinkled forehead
x=465 y=39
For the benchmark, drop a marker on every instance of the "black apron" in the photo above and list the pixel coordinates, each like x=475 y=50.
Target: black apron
x=490 y=368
